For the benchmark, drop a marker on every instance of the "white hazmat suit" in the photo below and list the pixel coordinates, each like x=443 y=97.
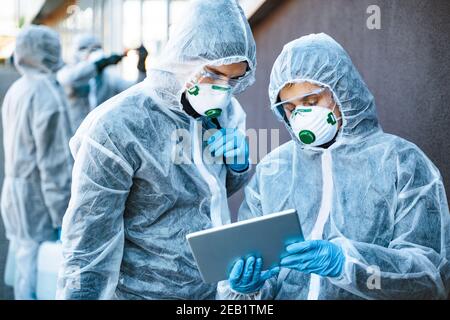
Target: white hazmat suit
x=132 y=204
x=38 y=163
x=374 y=194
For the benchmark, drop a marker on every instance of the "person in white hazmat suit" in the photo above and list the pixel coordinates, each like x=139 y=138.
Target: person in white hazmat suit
x=89 y=81
x=372 y=205
x=142 y=177
x=38 y=163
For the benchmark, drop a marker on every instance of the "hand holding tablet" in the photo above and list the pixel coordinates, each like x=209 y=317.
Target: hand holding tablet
x=217 y=250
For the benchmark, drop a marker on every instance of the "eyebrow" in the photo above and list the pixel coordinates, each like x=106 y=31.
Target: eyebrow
x=312 y=93
x=217 y=71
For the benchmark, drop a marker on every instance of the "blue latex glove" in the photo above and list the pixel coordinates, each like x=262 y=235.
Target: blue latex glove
x=315 y=256
x=230 y=143
x=246 y=276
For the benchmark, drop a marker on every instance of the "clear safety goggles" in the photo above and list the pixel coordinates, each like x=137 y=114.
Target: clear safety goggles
x=207 y=76
x=319 y=97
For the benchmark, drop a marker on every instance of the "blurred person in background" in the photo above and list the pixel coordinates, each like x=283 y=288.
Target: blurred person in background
x=38 y=163
x=88 y=80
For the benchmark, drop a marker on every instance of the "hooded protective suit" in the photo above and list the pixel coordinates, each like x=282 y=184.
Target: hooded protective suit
x=85 y=87
x=374 y=194
x=38 y=163
x=134 y=197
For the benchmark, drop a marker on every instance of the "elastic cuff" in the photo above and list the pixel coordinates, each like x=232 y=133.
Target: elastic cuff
x=225 y=292
x=250 y=296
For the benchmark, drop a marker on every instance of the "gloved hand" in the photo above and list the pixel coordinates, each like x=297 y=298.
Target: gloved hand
x=315 y=256
x=104 y=62
x=246 y=277
x=143 y=53
x=230 y=143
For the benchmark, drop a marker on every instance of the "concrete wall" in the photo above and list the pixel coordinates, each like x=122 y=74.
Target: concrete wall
x=406 y=64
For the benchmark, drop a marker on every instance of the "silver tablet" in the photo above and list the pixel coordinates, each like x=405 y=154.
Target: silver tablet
x=215 y=250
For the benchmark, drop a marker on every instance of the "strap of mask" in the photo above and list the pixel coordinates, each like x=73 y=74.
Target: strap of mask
x=188 y=108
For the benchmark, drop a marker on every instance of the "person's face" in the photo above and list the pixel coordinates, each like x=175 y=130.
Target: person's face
x=85 y=52
x=223 y=75
x=299 y=94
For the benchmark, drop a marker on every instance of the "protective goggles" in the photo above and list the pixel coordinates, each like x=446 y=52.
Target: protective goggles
x=321 y=95
x=207 y=76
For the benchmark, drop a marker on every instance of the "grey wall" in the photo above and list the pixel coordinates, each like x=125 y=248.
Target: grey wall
x=406 y=64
